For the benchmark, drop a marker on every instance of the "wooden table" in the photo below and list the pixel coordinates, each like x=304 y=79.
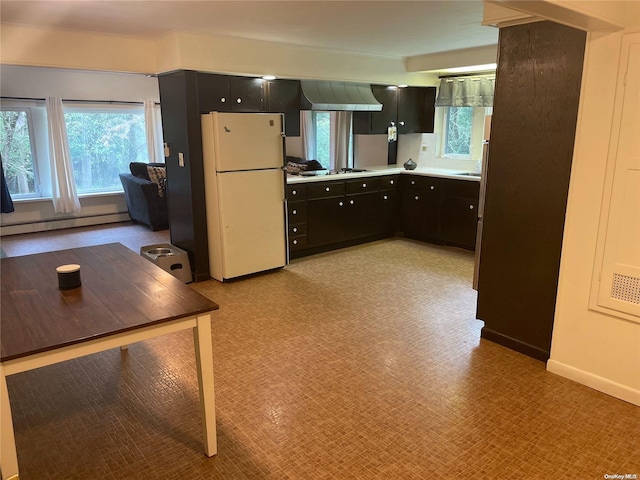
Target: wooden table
x=123 y=299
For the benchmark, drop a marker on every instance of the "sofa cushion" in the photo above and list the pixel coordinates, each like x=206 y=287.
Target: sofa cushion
x=139 y=169
x=158 y=175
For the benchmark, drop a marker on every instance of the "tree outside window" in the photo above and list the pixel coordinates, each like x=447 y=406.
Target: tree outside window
x=17 y=152
x=102 y=144
x=322 y=124
x=458 y=127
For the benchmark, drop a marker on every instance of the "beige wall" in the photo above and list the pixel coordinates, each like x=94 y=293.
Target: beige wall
x=593 y=348
x=53 y=48
x=41 y=47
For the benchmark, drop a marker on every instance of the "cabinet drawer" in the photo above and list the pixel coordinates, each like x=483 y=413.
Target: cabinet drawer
x=363 y=185
x=461 y=188
x=297 y=212
x=296 y=192
x=388 y=183
x=298 y=242
x=297 y=229
x=325 y=189
x=417 y=182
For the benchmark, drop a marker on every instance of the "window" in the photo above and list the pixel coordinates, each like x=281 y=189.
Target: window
x=102 y=142
x=322 y=129
x=457 y=134
x=332 y=138
x=18 y=157
x=461 y=131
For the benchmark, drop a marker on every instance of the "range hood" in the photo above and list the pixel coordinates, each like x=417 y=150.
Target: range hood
x=327 y=95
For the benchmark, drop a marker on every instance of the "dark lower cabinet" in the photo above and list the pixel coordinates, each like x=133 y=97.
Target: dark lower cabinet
x=459 y=213
x=420 y=206
x=440 y=210
x=388 y=204
x=362 y=214
x=326 y=220
x=340 y=213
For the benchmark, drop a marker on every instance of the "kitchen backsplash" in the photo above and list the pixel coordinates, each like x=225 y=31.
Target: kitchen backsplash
x=371 y=151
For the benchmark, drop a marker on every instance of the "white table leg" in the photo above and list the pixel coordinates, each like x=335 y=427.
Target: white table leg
x=8 y=456
x=204 y=360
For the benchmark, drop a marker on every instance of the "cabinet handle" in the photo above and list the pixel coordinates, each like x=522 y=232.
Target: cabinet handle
x=416 y=197
x=390 y=182
x=327 y=189
x=470 y=207
x=238 y=100
x=385 y=197
x=222 y=100
x=401 y=124
x=364 y=185
x=294 y=192
x=432 y=187
x=295 y=242
x=295 y=229
x=413 y=182
x=295 y=212
x=351 y=202
x=340 y=203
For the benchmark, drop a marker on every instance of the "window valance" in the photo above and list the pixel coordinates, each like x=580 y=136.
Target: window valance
x=473 y=91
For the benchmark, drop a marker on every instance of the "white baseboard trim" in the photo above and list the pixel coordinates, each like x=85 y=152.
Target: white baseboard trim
x=63 y=223
x=596 y=382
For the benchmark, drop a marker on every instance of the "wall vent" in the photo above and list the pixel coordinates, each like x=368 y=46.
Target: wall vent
x=626 y=288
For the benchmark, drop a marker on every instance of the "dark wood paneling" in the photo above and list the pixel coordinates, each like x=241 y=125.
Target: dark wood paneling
x=532 y=135
x=185 y=186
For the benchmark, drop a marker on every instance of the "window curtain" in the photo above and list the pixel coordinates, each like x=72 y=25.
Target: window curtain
x=63 y=186
x=475 y=91
x=341 y=126
x=307 y=132
x=154 y=135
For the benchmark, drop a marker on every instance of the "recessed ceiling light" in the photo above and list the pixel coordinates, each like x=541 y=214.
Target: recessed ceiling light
x=269 y=77
x=403 y=86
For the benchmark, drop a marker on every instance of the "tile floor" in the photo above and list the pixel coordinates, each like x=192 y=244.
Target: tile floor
x=364 y=363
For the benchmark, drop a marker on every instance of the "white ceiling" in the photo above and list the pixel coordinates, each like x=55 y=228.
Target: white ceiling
x=389 y=28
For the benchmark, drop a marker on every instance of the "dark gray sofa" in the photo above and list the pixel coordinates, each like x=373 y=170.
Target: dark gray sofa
x=144 y=202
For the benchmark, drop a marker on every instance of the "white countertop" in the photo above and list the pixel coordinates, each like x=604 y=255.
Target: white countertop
x=384 y=170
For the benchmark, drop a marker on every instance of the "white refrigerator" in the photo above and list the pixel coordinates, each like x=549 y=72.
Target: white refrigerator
x=244 y=188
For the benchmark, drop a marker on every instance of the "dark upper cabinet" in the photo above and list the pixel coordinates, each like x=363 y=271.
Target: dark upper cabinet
x=213 y=93
x=411 y=109
x=247 y=94
x=416 y=109
x=284 y=97
x=223 y=93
